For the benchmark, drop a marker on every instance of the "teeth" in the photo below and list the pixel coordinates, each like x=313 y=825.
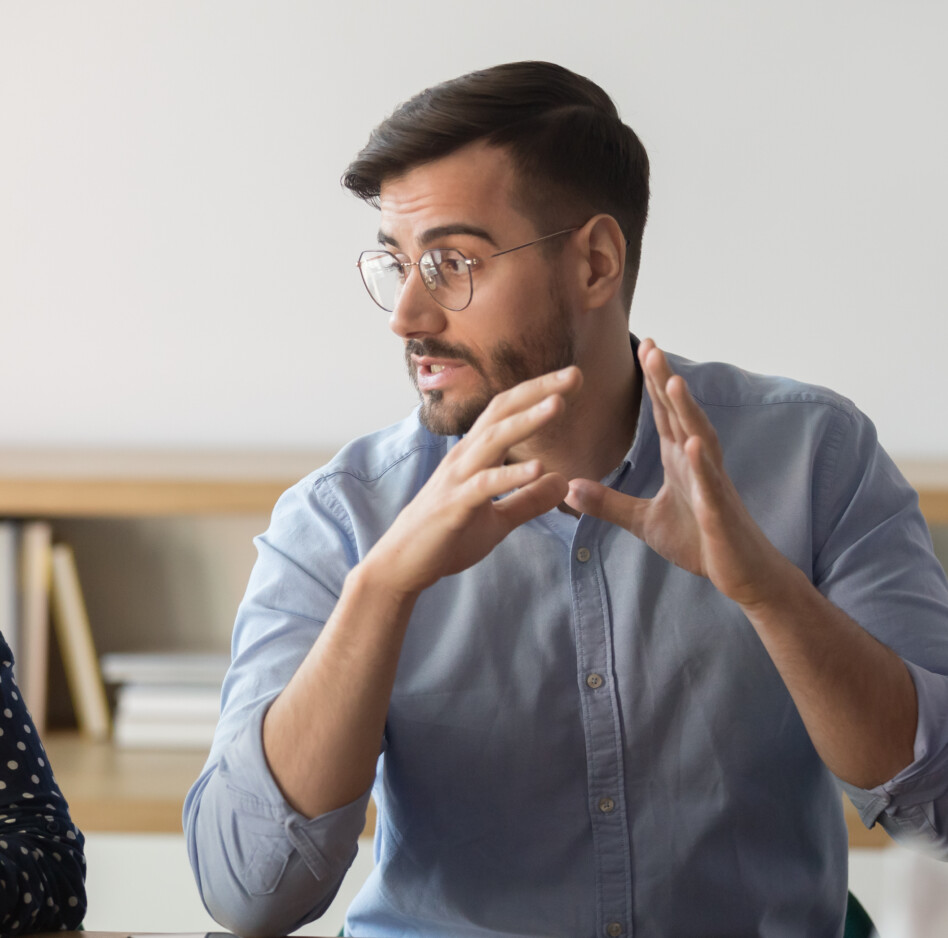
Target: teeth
x=437 y=369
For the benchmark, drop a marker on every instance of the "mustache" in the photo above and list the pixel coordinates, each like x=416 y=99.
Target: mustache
x=435 y=348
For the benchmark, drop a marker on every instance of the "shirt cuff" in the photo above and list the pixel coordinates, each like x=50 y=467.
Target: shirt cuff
x=923 y=782
x=326 y=844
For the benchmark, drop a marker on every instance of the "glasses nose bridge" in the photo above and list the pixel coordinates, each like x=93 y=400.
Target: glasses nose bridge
x=412 y=313
x=429 y=282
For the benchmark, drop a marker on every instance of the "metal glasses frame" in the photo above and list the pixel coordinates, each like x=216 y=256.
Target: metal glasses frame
x=430 y=284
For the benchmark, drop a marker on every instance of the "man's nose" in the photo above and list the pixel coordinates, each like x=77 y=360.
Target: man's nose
x=416 y=310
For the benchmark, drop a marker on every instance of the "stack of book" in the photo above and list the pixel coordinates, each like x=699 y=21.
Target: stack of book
x=165 y=700
x=39 y=584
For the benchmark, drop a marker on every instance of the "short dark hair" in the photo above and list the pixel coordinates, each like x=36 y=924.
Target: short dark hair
x=571 y=151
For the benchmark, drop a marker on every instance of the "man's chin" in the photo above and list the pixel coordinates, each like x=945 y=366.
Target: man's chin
x=449 y=419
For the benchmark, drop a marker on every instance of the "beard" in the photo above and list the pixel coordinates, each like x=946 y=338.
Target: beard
x=509 y=364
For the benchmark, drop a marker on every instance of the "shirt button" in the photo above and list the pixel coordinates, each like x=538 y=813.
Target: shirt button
x=583 y=555
x=614 y=929
x=606 y=805
x=594 y=681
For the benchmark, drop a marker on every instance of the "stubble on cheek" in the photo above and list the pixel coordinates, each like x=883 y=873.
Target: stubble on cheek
x=510 y=366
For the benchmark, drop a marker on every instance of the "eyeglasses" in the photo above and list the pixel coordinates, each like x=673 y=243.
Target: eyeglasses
x=446 y=272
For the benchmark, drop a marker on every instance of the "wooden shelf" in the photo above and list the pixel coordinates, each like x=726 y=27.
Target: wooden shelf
x=128 y=790
x=112 y=789
x=930 y=479
x=62 y=483
x=859 y=834
x=96 y=484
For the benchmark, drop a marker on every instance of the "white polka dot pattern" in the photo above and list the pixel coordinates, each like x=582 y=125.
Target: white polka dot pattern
x=42 y=867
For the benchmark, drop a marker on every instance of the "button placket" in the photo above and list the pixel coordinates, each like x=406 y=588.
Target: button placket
x=593 y=630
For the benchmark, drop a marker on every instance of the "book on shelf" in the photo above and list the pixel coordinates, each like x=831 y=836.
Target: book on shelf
x=171 y=667
x=76 y=644
x=31 y=670
x=39 y=589
x=166 y=700
x=157 y=734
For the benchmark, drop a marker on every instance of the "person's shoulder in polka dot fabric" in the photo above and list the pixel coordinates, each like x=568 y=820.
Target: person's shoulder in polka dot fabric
x=42 y=866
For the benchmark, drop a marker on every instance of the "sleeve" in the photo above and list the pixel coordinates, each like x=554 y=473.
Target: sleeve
x=42 y=866
x=874 y=559
x=261 y=867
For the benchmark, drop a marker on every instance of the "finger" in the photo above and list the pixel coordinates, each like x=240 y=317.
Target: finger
x=532 y=500
x=593 y=498
x=494 y=439
x=659 y=411
x=521 y=396
x=708 y=476
x=657 y=373
x=692 y=418
x=499 y=480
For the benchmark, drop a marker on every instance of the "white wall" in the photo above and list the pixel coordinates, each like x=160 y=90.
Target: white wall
x=177 y=258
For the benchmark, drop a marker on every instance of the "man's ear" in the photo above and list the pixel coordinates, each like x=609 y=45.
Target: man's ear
x=602 y=245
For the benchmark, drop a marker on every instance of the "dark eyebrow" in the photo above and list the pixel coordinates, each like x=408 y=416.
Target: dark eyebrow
x=442 y=231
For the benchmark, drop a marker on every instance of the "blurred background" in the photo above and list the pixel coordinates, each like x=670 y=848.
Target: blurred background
x=177 y=258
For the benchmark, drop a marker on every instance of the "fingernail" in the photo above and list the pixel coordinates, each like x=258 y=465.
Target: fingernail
x=564 y=373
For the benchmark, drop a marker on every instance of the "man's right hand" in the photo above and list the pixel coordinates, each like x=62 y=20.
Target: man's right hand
x=454 y=521
x=346 y=679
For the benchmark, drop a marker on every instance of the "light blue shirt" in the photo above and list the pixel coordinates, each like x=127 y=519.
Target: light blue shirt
x=584 y=740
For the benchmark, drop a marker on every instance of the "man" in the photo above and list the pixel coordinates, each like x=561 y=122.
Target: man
x=614 y=707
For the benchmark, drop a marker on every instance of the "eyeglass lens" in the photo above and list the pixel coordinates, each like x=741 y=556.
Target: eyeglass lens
x=445 y=273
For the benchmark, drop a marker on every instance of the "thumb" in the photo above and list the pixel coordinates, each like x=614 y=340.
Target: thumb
x=593 y=498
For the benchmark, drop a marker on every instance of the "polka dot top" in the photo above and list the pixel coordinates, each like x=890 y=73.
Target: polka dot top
x=42 y=867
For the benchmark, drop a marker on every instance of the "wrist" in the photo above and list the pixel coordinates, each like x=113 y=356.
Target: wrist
x=377 y=577
x=782 y=586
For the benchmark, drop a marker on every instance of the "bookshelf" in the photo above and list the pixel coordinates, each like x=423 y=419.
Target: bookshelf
x=111 y=789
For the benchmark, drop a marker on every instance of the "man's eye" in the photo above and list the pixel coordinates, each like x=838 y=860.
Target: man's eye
x=450 y=265
x=387 y=264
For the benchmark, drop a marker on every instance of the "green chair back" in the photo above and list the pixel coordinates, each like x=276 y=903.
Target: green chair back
x=858 y=923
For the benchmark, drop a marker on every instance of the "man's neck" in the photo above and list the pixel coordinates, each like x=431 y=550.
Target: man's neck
x=597 y=430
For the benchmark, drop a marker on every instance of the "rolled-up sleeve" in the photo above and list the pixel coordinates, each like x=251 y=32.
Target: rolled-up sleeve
x=875 y=561
x=913 y=806
x=261 y=867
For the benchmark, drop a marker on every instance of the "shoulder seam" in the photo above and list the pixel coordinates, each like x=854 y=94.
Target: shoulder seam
x=843 y=405
x=325 y=476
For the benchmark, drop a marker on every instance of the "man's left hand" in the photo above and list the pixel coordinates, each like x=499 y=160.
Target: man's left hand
x=697 y=519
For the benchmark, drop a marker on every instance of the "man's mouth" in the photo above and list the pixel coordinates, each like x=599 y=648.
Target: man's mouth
x=435 y=367
x=436 y=375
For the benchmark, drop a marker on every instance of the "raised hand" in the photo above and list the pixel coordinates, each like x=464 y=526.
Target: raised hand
x=697 y=519
x=454 y=521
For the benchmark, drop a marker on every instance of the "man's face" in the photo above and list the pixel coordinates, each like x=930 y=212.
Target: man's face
x=518 y=324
